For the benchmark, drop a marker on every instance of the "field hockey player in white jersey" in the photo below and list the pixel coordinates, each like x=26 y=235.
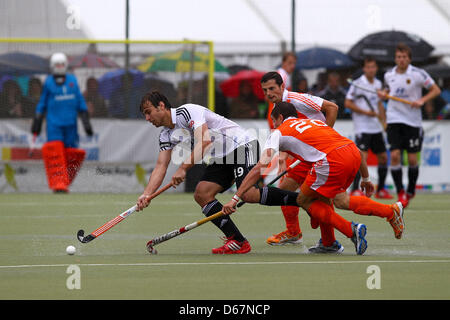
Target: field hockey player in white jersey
x=228 y=149
x=205 y=135
x=404 y=121
x=369 y=121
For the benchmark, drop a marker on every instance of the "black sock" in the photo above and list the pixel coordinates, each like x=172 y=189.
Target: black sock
x=413 y=174
x=271 y=196
x=382 y=173
x=224 y=223
x=355 y=185
x=397 y=177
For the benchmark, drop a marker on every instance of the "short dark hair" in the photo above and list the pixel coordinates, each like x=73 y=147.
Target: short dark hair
x=286 y=109
x=369 y=59
x=154 y=97
x=272 y=75
x=403 y=47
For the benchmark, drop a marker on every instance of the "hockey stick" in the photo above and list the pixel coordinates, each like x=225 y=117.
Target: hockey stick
x=116 y=220
x=194 y=225
x=383 y=125
x=179 y=231
x=350 y=81
x=292 y=166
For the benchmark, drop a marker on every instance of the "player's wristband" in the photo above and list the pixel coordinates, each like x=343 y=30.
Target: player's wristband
x=365 y=179
x=236 y=198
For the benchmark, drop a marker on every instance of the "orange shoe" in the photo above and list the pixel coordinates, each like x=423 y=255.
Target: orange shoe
x=396 y=221
x=233 y=247
x=383 y=194
x=284 y=237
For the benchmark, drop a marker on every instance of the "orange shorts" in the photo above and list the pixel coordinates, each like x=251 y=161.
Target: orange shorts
x=299 y=172
x=335 y=173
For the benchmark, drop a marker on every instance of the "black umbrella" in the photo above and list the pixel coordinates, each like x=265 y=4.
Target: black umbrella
x=438 y=70
x=381 y=46
x=21 y=63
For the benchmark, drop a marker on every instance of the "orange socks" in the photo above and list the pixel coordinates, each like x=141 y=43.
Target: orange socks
x=367 y=207
x=325 y=214
x=290 y=214
x=327 y=234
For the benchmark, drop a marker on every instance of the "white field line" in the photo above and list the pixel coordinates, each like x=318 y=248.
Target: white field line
x=158 y=264
x=82 y=203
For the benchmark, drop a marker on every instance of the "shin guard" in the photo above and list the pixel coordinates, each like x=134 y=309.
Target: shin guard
x=55 y=165
x=74 y=158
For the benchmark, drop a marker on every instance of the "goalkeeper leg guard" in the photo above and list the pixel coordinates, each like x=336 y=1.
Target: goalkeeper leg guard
x=74 y=158
x=55 y=166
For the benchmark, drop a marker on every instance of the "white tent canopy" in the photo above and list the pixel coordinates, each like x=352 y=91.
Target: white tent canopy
x=244 y=31
x=254 y=25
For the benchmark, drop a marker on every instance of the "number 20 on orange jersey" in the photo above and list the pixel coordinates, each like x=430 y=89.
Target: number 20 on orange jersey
x=302 y=125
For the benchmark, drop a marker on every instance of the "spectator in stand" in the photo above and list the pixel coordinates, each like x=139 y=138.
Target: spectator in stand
x=429 y=111
x=244 y=106
x=302 y=85
x=335 y=93
x=32 y=98
x=320 y=84
x=221 y=104
x=95 y=102
x=444 y=112
x=124 y=100
x=11 y=100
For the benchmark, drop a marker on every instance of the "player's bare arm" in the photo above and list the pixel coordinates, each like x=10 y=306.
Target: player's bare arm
x=250 y=180
x=203 y=142
x=156 y=179
x=331 y=112
x=366 y=185
x=350 y=104
x=383 y=94
x=282 y=157
x=433 y=92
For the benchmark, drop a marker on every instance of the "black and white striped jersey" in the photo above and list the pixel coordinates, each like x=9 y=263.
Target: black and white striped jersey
x=225 y=134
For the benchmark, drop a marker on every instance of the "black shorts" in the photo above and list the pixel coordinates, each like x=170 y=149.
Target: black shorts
x=404 y=137
x=372 y=141
x=233 y=167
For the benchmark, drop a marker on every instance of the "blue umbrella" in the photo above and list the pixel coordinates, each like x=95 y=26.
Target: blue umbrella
x=112 y=81
x=21 y=63
x=319 y=57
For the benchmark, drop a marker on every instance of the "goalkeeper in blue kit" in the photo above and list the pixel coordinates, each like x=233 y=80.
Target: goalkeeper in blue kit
x=60 y=104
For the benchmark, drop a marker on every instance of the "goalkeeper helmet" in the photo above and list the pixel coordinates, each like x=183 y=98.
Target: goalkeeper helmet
x=58 y=63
